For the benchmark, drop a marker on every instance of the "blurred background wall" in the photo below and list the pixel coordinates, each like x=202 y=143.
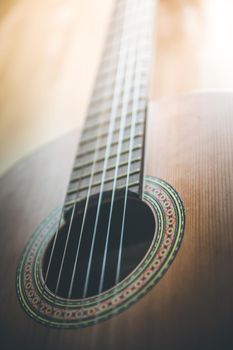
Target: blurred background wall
x=49 y=54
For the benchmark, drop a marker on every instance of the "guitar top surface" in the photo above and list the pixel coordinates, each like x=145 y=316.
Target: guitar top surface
x=189 y=145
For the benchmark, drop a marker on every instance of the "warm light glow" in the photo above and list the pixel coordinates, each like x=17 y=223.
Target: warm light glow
x=194 y=46
x=50 y=50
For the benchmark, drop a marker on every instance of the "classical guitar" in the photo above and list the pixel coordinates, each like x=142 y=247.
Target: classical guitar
x=97 y=253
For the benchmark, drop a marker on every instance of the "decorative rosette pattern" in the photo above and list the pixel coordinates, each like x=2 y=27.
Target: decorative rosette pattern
x=53 y=311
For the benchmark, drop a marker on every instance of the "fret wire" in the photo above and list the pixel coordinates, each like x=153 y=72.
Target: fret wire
x=107 y=186
x=112 y=158
x=109 y=62
x=114 y=29
x=73 y=202
x=85 y=140
x=96 y=112
x=76 y=178
x=113 y=144
x=100 y=88
x=110 y=58
x=123 y=153
x=141 y=17
x=94 y=184
x=108 y=83
x=106 y=99
x=112 y=46
x=103 y=84
x=88 y=150
x=94 y=190
x=103 y=108
x=110 y=71
x=98 y=95
x=89 y=128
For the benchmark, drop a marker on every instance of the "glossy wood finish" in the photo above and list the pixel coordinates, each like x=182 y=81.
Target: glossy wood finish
x=190 y=146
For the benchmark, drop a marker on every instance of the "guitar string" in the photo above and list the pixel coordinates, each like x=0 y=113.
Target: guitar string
x=119 y=79
x=60 y=222
x=111 y=329
x=53 y=249
x=57 y=230
x=97 y=148
x=48 y=267
x=127 y=86
x=73 y=211
x=70 y=292
x=83 y=223
x=54 y=244
x=101 y=286
x=72 y=216
x=134 y=115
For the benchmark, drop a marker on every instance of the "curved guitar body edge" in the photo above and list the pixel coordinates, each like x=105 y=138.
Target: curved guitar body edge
x=189 y=145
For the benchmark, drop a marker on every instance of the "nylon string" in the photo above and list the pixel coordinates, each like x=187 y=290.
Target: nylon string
x=116 y=95
x=134 y=116
x=124 y=60
x=72 y=216
x=126 y=98
x=97 y=148
x=84 y=218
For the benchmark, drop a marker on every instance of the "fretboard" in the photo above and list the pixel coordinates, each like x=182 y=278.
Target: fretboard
x=111 y=150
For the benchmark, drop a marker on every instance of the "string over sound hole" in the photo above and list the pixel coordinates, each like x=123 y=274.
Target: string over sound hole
x=68 y=273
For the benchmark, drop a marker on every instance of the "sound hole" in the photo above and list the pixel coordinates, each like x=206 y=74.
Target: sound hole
x=137 y=236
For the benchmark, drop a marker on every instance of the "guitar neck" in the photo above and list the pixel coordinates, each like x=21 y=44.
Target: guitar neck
x=111 y=150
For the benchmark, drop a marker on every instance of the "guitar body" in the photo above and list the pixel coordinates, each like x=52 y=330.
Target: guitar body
x=190 y=146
